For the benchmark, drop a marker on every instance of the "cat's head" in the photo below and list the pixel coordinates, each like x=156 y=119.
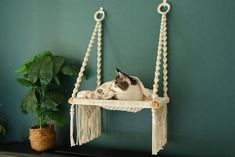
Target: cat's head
x=123 y=81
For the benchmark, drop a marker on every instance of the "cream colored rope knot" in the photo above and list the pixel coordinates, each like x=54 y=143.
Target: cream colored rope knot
x=160 y=7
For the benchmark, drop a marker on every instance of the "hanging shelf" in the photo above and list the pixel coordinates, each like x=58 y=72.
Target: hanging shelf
x=87 y=111
x=122 y=105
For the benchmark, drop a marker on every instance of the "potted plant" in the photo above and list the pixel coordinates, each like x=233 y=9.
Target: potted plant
x=42 y=75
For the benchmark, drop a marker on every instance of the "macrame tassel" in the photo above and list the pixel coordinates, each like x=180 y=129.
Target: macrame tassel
x=88 y=127
x=156 y=136
x=159 y=129
x=72 y=143
x=164 y=129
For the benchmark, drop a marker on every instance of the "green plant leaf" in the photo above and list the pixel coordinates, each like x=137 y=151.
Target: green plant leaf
x=43 y=54
x=43 y=69
x=58 y=62
x=29 y=102
x=22 y=69
x=57 y=117
x=34 y=70
x=24 y=82
x=57 y=81
x=70 y=69
x=49 y=105
x=37 y=57
x=42 y=74
x=56 y=96
x=25 y=67
x=46 y=70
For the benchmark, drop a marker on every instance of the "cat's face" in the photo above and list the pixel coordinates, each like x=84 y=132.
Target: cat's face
x=123 y=81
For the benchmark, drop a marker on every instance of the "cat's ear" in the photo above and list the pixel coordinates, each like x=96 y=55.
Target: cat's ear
x=120 y=74
x=117 y=71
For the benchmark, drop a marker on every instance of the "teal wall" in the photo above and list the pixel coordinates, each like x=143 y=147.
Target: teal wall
x=201 y=66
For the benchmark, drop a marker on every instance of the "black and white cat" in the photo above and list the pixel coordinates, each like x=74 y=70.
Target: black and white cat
x=127 y=87
x=123 y=87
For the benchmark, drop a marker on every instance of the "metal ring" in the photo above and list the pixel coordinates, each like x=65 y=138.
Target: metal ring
x=163 y=5
x=99 y=13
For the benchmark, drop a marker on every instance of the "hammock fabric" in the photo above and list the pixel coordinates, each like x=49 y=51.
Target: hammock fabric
x=85 y=116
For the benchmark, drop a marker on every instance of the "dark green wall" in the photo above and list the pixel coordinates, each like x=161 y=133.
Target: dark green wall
x=201 y=66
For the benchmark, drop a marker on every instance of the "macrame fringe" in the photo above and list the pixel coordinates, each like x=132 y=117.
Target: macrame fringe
x=159 y=129
x=72 y=142
x=87 y=127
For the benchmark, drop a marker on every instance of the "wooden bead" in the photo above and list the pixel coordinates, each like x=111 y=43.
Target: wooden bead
x=156 y=105
x=71 y=101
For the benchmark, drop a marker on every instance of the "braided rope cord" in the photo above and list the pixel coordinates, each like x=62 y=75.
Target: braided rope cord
x=95 y=121
x=97 y=30
x=161 y=51
x=159 y=127
x=85 y=60
x=99 y=50
x=164 y=42
x=158 y=62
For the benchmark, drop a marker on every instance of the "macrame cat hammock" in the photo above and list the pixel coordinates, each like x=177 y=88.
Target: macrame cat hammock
x=87 y=111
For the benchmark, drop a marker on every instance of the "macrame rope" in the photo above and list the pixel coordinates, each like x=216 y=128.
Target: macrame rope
x=98 y=28
x=99 y=50
x=162 y=49
x=85 y=60
x=165 y=82
x=88 y=128
x=164 y=42
x=159 y=119
x=158 y=63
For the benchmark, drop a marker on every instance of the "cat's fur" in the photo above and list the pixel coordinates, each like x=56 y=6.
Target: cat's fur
x=126 y=87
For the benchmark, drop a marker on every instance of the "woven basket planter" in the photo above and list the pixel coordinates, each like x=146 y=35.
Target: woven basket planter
x=42 y=139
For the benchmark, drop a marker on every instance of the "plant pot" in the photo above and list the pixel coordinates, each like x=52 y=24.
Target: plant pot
x=42 y=139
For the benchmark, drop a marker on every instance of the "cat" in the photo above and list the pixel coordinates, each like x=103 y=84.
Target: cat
x=126 y=87
x=123 y=87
